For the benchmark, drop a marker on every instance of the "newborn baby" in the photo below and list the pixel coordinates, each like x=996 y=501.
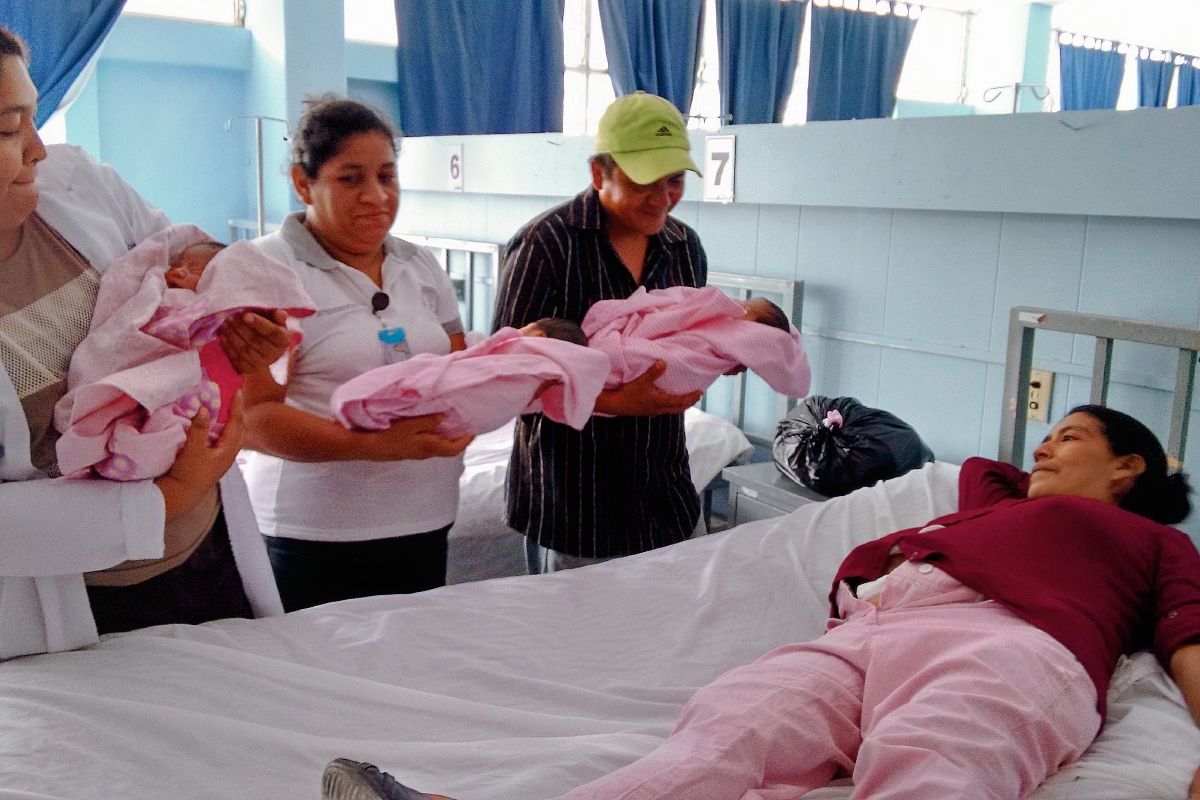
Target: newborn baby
x=700 y=334
x=152 y=358
x=189 y=265
x=542 y=367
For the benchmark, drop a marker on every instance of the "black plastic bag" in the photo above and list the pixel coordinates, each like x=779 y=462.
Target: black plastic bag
x=836 y=445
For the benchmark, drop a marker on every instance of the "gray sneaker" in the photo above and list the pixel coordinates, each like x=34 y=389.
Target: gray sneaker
x=357 y=780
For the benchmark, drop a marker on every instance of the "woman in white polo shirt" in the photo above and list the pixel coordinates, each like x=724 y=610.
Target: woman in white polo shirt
x=352 y=513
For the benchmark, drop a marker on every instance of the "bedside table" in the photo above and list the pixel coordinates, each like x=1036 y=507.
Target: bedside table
x=760 y=491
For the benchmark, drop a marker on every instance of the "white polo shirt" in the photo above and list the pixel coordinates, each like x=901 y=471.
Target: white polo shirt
x=356 y=500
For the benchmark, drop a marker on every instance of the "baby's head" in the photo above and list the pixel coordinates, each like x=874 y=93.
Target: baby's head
x=552 y=328
x=189 y=265
x=764 y=312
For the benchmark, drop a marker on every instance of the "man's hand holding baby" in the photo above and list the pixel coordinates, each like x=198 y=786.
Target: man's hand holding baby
x=641 y=398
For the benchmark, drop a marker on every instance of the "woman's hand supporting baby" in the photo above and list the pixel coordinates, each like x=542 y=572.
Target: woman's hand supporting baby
x=641 y=398
x=199 y=465
x=253 y=342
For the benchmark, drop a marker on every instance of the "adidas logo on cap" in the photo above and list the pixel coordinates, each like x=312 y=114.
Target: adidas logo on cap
x=663 y=131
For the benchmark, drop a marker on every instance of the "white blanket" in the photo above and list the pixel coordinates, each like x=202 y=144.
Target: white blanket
x=512 y=689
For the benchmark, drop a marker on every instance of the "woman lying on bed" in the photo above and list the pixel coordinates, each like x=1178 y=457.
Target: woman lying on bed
x=968 y=658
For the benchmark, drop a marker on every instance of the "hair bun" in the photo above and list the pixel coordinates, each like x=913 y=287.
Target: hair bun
x=1174 y=498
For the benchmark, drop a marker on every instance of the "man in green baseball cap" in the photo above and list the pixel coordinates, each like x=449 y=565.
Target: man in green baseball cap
x=621 y=485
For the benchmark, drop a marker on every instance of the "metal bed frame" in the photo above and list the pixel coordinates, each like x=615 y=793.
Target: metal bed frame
x=1024 y=322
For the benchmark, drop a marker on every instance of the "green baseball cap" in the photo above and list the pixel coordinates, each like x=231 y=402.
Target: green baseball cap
x=645 y=135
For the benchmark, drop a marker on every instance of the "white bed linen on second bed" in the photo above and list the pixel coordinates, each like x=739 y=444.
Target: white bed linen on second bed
x=512 y=689
x=482 y=545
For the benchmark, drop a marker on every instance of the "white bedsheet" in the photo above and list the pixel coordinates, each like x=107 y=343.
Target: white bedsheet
x=482 y=546
x=513 y=689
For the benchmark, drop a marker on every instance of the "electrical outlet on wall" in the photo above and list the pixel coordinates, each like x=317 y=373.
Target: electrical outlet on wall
x=1041 y=381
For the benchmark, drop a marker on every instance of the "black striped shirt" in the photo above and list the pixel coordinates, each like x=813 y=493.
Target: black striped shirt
x=621 y=485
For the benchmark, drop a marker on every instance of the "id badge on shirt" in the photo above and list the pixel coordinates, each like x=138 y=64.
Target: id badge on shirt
x=395 y=346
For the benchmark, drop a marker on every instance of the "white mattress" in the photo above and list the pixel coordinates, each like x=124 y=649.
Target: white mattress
x=481 y=544
x=512 y=689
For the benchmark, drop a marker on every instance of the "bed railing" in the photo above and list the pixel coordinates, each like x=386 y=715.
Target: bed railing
x=1023 y=323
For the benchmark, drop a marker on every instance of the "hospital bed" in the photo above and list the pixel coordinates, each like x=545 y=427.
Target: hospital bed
x=481 y=545
x=513 y=689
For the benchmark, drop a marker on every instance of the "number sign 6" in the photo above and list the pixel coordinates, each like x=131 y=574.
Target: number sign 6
x=454 y=166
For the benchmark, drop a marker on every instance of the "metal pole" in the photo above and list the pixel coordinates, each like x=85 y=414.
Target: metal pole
x=258 y=165
x=258 y=159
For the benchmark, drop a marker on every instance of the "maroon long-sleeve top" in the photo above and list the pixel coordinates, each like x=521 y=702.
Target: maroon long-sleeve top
x=1099 y=579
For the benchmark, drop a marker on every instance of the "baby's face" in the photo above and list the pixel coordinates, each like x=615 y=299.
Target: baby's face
x=186 y=270
x=533 y=329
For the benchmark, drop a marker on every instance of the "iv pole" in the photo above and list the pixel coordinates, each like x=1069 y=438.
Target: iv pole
x=258 y=157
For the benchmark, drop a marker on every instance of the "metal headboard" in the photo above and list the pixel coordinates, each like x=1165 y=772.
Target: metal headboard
x=475 y=268
x=1023 y=323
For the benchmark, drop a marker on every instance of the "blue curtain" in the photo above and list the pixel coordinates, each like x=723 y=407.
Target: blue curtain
x=1090 y=78
x=855 y=64
x=1154 y=81
x=759 y=43
x=480 y=66
x=62 y=35
x=654 y=46
x=1189 y=85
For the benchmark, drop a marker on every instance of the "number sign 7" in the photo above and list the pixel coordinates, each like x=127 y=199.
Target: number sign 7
x=718 y=168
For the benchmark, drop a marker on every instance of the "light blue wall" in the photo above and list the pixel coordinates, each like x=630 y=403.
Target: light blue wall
x=180 y=157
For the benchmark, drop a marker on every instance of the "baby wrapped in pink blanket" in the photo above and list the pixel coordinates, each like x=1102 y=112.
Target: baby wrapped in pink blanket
x=479 y=389
x=700 y=334
x=152 y=358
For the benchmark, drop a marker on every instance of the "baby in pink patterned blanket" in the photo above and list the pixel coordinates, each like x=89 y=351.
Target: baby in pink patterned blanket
x=152 y=358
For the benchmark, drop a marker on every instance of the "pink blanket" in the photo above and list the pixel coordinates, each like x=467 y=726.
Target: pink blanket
x=696 y=333
x=480 y=388
x=151 y=359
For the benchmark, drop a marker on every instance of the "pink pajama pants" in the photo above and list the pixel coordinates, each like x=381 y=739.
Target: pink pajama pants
x=938 y=693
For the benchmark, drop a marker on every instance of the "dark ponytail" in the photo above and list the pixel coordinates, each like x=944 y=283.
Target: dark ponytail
x=1156 y=494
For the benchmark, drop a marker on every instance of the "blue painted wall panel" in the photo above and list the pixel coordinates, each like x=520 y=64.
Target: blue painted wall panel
x=942 y=277
x=843 y=260
x=730 y=236
x=1144 y=269
x=844 y=369
x=941 y=397
x=778 y=240
x=163 y=128
x=1040 y=262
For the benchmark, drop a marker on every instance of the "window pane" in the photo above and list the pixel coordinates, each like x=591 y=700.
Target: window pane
x=573 y=18
x=600 y=95
x=706 y=96
x=933 y=67
x=371 y=21
x=219 y=11
x=597 y=56
x=574 y=103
